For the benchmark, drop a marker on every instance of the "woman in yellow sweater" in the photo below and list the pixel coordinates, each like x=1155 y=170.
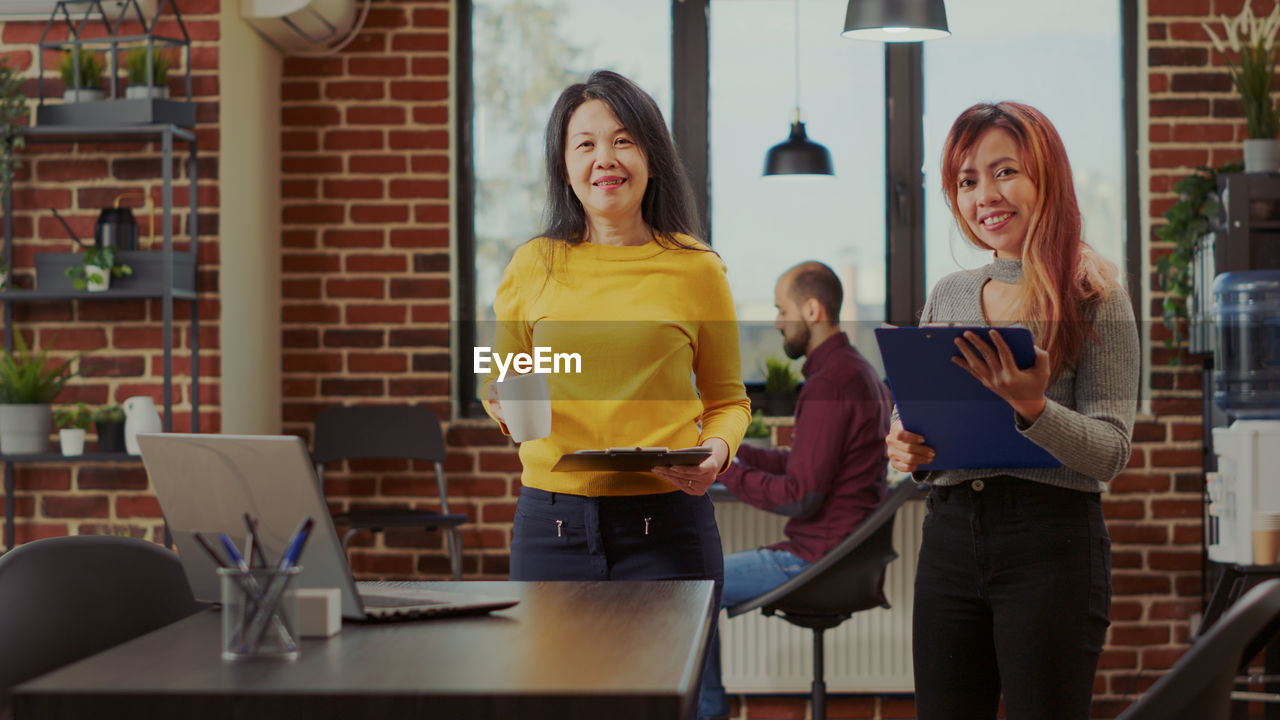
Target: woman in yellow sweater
x=618 y=279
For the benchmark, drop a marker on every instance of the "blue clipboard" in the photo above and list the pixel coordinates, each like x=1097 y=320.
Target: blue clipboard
x=967 y=425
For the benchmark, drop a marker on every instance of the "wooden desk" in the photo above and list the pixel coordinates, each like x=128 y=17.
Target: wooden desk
x=569 y=650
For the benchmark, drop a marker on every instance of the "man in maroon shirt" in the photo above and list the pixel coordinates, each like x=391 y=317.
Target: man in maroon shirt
x=834 y=474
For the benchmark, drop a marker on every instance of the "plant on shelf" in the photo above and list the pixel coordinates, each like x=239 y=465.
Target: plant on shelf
x=96 y=268
x=73 y=422
x=29 y=382
x=757 y=428
x=140 y=85
x=89 y=74
x=109 y=422
x=779 y=387
x=1250 y=53
x=13 y=109
x=1187 y=220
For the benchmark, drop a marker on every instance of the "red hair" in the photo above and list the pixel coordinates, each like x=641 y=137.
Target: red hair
x=1063 y=276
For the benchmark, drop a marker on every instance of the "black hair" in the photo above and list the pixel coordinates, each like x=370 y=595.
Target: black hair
x=667 y=206
x=815 y=280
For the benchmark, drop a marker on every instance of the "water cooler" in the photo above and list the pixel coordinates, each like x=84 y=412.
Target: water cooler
x=1246 y=384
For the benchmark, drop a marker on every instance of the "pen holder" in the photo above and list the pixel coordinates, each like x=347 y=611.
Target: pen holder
x=255 y=623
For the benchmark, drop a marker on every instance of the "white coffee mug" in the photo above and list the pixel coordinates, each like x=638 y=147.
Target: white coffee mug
x=526 y=406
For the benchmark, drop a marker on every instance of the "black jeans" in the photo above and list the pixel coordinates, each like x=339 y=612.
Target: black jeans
x=1012 y=594
x=668 y=536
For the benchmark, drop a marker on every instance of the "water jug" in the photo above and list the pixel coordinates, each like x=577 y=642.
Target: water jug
x=1246 y=368
x=140 y=416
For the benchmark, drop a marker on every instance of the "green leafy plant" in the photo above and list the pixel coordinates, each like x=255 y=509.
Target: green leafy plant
x=757 y=428
x=90 y=70
x=1250 y=52
x=28 y=377
x=13 y=109
x=109 y=413
x=103 y=257
x=136 y=63
x=778 y=376
x=1187 y=220
x=73 y=416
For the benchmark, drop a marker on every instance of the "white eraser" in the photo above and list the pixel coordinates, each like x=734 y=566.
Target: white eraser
x=317 y=612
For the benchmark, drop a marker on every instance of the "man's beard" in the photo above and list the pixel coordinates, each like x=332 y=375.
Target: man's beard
x=795 y=347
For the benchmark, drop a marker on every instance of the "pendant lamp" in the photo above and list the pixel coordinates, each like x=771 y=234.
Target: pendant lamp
x=895 y=20
x=798 y=156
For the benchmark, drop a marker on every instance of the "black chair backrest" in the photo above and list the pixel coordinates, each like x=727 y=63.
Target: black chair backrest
x=1199 y=685
x=63 y=599
x=850 y=577
x=378 y=431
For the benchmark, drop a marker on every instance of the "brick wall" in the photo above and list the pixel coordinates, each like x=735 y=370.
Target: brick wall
x=367 y=305
x=120 y=339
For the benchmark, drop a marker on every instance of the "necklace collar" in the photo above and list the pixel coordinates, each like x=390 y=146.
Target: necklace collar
x=1007 y=271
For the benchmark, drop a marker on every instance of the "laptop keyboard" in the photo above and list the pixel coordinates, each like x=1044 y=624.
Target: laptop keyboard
x=383 y=601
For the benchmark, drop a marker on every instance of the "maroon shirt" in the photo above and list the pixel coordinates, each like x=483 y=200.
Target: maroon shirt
x=834 y=474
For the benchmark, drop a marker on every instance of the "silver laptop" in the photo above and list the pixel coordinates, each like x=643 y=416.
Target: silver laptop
x=206 y=483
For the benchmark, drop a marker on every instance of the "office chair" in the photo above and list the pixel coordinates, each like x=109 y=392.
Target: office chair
x=848 y=579
x=67 y=598
x=1199 y=685
x=388 y=431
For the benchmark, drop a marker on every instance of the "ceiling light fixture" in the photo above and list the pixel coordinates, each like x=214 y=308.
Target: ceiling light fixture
x=896 y=20
x=798 y=156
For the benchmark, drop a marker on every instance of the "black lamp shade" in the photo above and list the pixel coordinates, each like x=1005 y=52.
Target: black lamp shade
x=895 y=20
x=798 y=156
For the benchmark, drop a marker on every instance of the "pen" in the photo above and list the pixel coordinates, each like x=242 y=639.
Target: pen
x=256 y=556
x=234 y=553
x=204 y=544
x=275 y=588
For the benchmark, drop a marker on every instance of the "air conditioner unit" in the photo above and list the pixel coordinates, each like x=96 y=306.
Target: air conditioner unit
x=43 y=9
x=300 y=25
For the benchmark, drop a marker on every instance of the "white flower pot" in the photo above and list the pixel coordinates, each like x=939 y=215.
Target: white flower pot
x=24 y=429
x=96 y=278
x=135 y=92
x=1261 y=155
x=83 y=95
x=72 y=440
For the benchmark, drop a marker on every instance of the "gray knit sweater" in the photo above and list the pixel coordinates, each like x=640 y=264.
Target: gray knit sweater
x=1088 y=419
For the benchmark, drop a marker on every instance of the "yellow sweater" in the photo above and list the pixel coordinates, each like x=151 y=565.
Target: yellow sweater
x=649 y=323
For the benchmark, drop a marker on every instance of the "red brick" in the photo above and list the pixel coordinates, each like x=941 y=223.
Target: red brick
x=377 y=66
x=344 y=288
x=77 y=506
x=350 y=189
x=358 y=90
x=418 y=140
x=420 y=42
x=353 y=238
x=1139 y=482
x=376 y=263
x=1177 y=7
x=1176 y=508
x=376 y=314
x=112 y=477
x=40 y=479
x=380 y=214
x=1138 y=534
x=382 y=363
x=1138 y=635
x=1171 y=561
x=376 y=116
x=138 y=506
x=379 y=164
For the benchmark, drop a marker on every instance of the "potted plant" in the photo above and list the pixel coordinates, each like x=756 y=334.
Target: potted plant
x=13 y=108
x=142 y=85
x=1250 y=53
x=29 y=382
x=96 y=268
x=779 y=387
x=73 y=422
x=87 y=76
x=757 y=432
x=1187 y=221
x=108 y=420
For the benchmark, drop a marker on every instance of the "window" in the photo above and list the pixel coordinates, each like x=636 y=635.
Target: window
x=728 y=88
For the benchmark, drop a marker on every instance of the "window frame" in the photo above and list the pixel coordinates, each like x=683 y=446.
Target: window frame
x=904 y=160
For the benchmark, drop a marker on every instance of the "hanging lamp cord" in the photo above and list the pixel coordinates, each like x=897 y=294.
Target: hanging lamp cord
x=795 y=47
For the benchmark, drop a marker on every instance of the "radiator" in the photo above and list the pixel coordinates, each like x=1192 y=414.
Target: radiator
x=870 y=652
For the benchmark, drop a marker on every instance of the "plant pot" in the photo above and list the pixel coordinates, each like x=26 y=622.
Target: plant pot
x=97 y=279
x=780 y=403
x=1261 y=155
x=110 y=436
x=83 y=95
x=24 y=429
x=72 y=441
x=136 y=92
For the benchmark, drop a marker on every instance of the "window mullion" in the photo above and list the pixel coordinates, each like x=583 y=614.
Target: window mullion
x=904 y=191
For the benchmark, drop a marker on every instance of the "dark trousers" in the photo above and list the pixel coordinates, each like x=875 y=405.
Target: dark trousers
x=669 y=536
x=1012 y=595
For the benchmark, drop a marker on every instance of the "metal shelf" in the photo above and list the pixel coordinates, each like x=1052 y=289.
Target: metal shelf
x=165 y=134
x=26 y=296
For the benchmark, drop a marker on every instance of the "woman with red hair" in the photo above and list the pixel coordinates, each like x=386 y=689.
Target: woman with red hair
x=1013 y=585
